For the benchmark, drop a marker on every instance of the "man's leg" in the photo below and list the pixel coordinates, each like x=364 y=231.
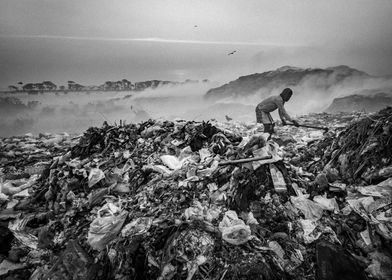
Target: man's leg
x=272 y=122
x=268 y=128
x=259 y=117
x=268 y=122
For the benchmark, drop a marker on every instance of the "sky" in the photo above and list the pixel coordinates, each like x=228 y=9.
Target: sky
x=92 y=41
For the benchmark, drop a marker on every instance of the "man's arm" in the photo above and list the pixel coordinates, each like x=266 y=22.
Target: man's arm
x=282 y=111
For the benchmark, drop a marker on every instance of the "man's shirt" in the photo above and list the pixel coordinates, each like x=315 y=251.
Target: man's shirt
x=272 y=103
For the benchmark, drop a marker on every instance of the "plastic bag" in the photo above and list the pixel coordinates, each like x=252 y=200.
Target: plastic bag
x=310 y=209
x=257 y=140
x=10 y=188
x=104 y=229
x=361 y=206
x=278 y=250
x=157 y=168
x=204 y=154
x=95 y=176
x=17 y=227
x=200 y=212
x=270 y=149
x=308 y=228
x=312 y=230
x=249 y=218
x=173 y=162
x=234 y=230
x=383 y=189
x=3 y=197
x=329 y=204
x=136 y=227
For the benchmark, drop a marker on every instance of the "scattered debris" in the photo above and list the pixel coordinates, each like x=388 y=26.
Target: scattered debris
x=191 y=200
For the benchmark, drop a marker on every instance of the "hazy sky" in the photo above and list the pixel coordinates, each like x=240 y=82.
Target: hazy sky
x=91 y=41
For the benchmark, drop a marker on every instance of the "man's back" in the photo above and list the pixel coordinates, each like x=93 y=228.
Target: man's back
x=270 y=104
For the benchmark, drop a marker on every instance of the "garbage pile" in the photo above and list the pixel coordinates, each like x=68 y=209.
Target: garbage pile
x=194 y=200
x=362 y=152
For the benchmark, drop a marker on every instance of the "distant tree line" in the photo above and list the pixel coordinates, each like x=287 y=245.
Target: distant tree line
x=121 y=85
x=44 y=86
x=124 y=84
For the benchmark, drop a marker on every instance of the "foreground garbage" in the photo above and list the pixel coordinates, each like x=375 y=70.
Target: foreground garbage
x=190 y=200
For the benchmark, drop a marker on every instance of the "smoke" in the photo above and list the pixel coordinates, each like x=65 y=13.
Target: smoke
x=60 y=112
x=314 y=93
x=74 y=112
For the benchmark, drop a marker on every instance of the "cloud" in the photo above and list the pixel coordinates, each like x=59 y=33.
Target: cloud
x=152 y=40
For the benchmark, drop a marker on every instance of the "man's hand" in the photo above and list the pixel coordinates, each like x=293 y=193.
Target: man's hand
x=284 y=122
x=295 y=123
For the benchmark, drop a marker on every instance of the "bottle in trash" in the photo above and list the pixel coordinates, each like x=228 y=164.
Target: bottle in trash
x=278 y=179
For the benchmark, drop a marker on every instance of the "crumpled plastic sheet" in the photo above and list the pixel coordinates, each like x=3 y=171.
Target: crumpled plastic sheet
x=329 y=204
x=95 y=176
x=104 y=229
x=234 y=230
x=17 y=227
x=383 y=189
x=270 y=149
x=173 y=162
x=138 y=226
x=314 y=229
x=310 y=209
x=200 y=212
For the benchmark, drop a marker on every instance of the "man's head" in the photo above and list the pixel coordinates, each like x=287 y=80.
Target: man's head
x=286 y=94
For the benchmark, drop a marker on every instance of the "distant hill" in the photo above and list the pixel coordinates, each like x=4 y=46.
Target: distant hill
x=287 y=76
x=366 y=100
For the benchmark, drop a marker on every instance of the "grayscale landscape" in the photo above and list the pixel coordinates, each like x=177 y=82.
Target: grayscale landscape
x=195 y=139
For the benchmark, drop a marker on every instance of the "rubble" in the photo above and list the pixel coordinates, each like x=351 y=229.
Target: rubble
x=200 y=200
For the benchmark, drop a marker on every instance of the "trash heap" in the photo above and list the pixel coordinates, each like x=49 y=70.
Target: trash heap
x=362 y=153
x=197 y=200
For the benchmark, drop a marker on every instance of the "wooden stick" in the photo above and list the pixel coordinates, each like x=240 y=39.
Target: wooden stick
x=310 y=126
x=244 y=160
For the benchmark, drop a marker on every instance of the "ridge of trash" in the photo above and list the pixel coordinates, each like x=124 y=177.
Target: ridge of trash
x=200 y=200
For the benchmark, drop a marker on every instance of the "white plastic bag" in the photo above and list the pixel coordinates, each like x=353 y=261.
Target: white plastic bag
x=204 y=154
x=270 y=149
x=308 y=226
x=136 y=227
x=329 y=204
x=17 y=227
x=95 y=176
x=383 y=189
x=234 y=230
x=104 y=229
x=310 y=209
x=200 y=212
x=173 y=162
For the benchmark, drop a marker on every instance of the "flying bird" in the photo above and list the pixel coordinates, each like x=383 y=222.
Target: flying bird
x=228 y=118
x=195 y=26
x=232 y=53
